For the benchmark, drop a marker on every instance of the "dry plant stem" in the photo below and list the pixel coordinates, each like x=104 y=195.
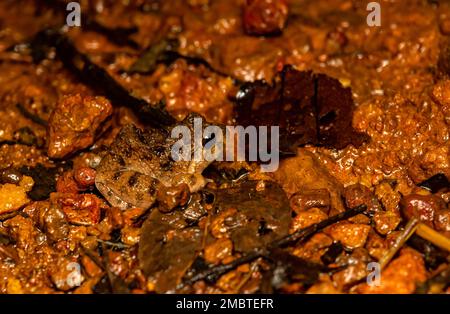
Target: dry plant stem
x=98 y=78
x=114 y=244
x=253 y=268
x=433 y=236
x=409 y=230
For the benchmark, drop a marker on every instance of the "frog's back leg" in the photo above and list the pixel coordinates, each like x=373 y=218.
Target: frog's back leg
x=126 y=189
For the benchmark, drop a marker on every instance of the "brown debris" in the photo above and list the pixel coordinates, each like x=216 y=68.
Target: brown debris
x=244 y=218
x=84 y=177
x=356 y=268
x=350 y=235
x=386 y=221
x=201 y=236
x=75 y=181
x=444 y=59
x=80 y=209
x=442 y=221
x=309 y=109
x=171 y=197
x=139 y=160
x=13 y=197
x=49 y=218
x=252 y=217
x=307 y=218
x=23 y=232
x=307 y=199
x=74 y=124
x=264 y=17
x=358 y=194
x=314 y=248
x=423 y=207
x=401 y=275
x=167 y=248
x=218 y=250
x=66 y=183
x=187 y=89
x=66 y=274
x=441 y=95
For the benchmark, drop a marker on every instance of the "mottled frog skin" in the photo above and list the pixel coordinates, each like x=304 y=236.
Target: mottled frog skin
x=138 y=161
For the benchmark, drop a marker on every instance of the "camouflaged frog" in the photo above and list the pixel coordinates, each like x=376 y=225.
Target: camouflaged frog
x=139 y=160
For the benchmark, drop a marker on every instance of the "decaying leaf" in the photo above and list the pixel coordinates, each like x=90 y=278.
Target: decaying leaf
x=170 y=243
x=262 y=214
x=167 y=248
x=309 y=109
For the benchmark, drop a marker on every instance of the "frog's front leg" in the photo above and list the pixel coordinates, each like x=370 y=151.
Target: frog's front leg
x=126 y=188
x=189 y=173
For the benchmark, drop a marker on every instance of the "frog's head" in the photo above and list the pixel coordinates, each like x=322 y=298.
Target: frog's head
x=196 y=141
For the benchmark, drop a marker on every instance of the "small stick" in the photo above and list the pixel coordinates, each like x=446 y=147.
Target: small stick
x=118 y=245
x=302 y=234
x=409 y=230
x=98 y=78
x=433 y=236
x=31 y=116
x=253 y=268
x=308 y=231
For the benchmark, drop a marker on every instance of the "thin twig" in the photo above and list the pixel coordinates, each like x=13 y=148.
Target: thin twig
x=214 y=272
x=114 y=244
x=410 y=228
x=306 y=232
x=433 y=236
x=31 y=116
x=253 y=268
x=98 y=78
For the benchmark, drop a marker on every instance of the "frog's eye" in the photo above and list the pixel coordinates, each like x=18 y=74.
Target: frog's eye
x=208 y=197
